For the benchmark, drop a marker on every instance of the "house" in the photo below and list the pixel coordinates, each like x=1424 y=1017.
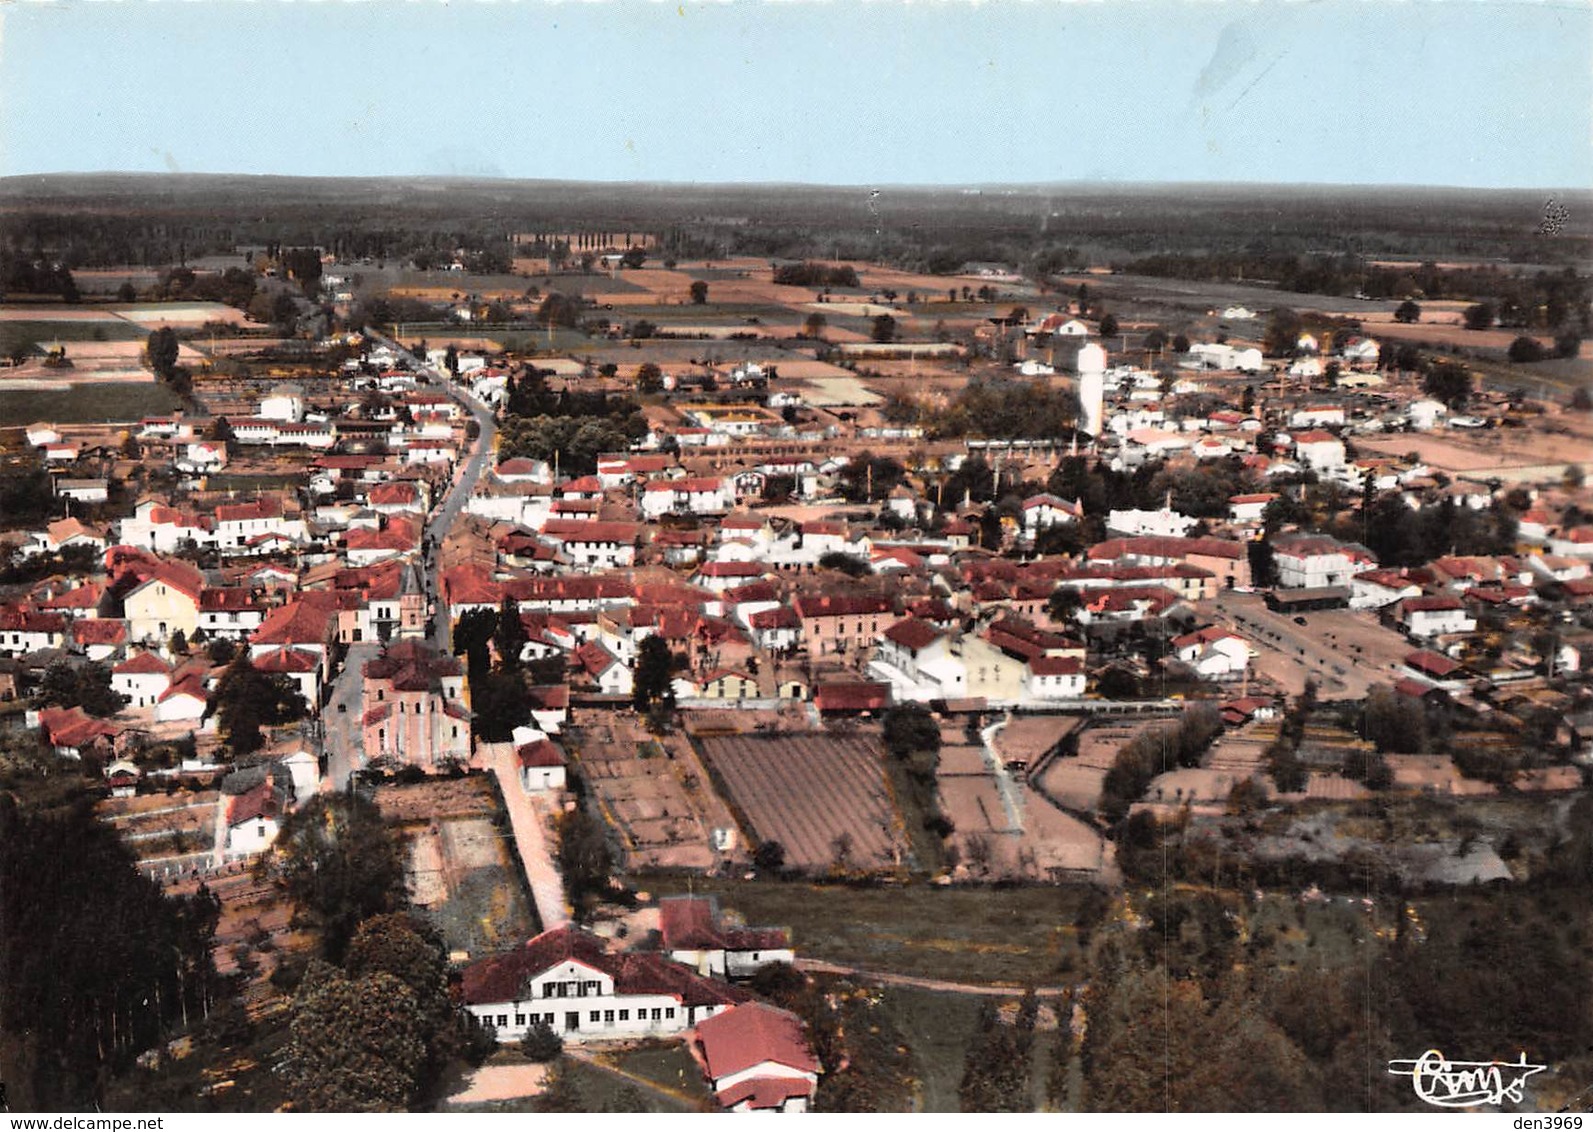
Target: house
x=25 y=631
x=83 y=490
x=1165 y=523
x=694 y=935
x=185 y=700
x=727 y=684
x=1246 y=509
x=841 y=622
x=1433 y=615
x=1306 y=561
x=143 y=678
x=254 y=817
x=413 y=706
x=285 y=402
x=1321 y=451
x=1051 y=678
x=706 y=495
x=164 y=601
x=757 y=1059
x=1213 y=653
x=567 y=979
x=1046 y=510
x=605 y=669
x=541 y=765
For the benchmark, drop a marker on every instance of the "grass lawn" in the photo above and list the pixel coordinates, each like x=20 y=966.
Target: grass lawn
x=1018 y=936
x=667 y=1064
x=95 y=328
x=603 y=1090
x=937 y=1029
x=108 y=401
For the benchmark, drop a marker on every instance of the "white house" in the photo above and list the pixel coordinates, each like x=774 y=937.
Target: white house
x=1321 y=451
x=568 y=980
x=1315 y=561
x=693 y=935
x=541 y=765
x=143 y=678
x=1054 y=678
x=756 y=1058
x=1046 y=510
x=1214 y=653
x=1434 y=615
x=1165 y=523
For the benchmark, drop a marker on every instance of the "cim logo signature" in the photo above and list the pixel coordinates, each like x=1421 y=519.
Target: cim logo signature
x=1465 y=1084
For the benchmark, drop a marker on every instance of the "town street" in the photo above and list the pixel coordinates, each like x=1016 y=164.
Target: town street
x=465 y=477
x=342 y=714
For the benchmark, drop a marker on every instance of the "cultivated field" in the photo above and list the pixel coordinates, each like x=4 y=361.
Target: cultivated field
x=811 y=793
x=651 y=792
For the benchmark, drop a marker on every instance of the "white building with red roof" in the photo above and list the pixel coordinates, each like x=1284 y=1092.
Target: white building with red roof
x=568 y=980
x=757 y=1059
x=143 y=678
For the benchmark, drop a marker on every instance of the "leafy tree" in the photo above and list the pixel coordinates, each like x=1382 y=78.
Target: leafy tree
x=1108 y=326
x=883 y=329
x=1526 y=349
x=1567 y=344
x=86 y=685
x=769 y=856
x=97 y=965
x=1408 y=311
x=339 y=864
x=162 y=350
x=247 y=700
x=583 y=859
x=655 y=668
x=1480 y=316
x=451 y=359
x=908 y=728
x=634 y=257
x=400 y=945
x=1394 y=722
x=849 y=564
x=472 y=633
x=813 y=326
x=1181 y=344
x=1263 y=563
x=499 y=702
x=1449 y=382
x=1063 y=603
x=353 y=1047
x=1283 y=333
x=1582 y=400
x=699 y=292
x=510 y=637
x=649 y=378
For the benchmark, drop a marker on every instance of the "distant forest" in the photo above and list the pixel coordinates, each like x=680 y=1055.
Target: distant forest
x=1299 y=238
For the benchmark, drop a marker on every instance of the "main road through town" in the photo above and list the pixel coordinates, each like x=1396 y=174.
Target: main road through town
x=344 y=735
x=443 y=515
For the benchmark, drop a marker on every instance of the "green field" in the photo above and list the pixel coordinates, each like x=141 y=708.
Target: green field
x=1003 y=936
x=44 y=332
x=109 y=401
x=937 y=1029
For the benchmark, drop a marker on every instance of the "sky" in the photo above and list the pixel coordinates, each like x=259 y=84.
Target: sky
x=1476 y=93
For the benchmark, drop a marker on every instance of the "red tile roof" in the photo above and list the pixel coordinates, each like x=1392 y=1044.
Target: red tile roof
x=750 y=1034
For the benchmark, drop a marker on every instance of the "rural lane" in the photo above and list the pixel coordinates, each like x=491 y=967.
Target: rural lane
x=890 y=978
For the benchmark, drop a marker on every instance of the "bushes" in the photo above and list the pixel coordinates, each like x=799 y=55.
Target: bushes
x=541 y=1044
x=1154 y=752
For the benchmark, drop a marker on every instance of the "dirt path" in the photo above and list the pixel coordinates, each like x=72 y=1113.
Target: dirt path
x=530 y=839
x=890 y=978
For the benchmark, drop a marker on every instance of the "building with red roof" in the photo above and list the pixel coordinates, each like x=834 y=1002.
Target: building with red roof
x=569 y=980
x=757 y=1059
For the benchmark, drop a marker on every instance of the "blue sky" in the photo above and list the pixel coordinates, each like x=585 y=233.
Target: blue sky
x=1450 y=92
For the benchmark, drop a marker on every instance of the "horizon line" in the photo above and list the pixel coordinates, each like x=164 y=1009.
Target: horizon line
x=963 y=186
